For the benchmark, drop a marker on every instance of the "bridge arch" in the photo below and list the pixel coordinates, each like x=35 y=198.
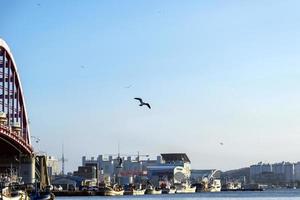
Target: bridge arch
x=14 y=125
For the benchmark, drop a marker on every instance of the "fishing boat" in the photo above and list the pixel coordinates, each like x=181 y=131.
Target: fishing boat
x=185 y=188
x=138 y=191
x=12 y=189
x=153 y=190
x=170 y=190
x=116 y=190
x=7 y=194
x=135 y=192
x=215 y=186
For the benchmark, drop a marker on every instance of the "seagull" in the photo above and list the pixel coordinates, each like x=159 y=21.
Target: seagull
x=37 y=140
x=143 y=103
x=128 y=86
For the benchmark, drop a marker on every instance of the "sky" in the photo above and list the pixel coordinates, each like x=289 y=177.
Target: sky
x=213 y=71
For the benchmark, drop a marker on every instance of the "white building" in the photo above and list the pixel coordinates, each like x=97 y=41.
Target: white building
x=53 y=166
x=173 y=168
x=125 y=168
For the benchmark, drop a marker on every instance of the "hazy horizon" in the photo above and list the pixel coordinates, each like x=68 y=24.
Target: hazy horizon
x=213 y=71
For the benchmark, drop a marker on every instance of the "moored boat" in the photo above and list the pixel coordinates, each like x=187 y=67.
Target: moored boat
x=153 y=190
x=116 y=190
x=7 y=194
x=215 y=186
x=138 y=191
x=171 y=190
x=185 y=188
x=132 y=190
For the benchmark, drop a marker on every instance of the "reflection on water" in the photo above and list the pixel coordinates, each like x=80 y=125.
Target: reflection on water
x=266 y=195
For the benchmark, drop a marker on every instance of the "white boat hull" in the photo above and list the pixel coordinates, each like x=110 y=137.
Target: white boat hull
x=185 y=190
x=153 y=191
x=138 y=192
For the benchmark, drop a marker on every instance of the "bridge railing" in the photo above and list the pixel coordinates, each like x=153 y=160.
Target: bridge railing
x=15 y=135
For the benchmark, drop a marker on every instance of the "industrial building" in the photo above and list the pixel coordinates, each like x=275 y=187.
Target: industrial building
x=135 y=169
x=173 y=168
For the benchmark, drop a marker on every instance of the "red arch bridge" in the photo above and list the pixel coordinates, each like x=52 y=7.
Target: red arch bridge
x=16 y=152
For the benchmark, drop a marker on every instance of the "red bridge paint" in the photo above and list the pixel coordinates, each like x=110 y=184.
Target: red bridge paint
x=12 y=103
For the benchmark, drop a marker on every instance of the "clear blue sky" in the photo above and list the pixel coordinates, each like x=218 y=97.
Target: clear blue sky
x=213 y=71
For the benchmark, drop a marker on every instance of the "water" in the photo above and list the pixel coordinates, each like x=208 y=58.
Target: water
x=265 y=195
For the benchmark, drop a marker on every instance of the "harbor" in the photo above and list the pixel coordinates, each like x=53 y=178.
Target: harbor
x=169 y=173
x=283 y=194
x=27 y=174
x=140 y=99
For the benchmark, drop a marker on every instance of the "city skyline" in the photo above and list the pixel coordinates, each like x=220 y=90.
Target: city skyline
x=213 y=72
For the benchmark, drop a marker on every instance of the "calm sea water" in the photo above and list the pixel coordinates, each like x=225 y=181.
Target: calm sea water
x=265 y=195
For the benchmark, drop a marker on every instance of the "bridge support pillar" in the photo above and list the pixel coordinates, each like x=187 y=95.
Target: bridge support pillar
x=27 y=169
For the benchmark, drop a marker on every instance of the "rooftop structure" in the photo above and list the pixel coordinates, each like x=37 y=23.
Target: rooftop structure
x=175 y=157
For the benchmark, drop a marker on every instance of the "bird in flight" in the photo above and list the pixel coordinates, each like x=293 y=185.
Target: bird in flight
x=143 y=103
x=128 y=86
x=37 y=140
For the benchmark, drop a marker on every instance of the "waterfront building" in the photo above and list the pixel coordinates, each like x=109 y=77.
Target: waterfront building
x=53 y=166
x=134 y=169
x=278 y=173
x=173 y=168
x=278 y=168
x=125 y=168
x=266 y=168
x=67 y=182
x=255 y=170
x=262 y=173
x=297 y=171
x=86 y=172
x=289 y=172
